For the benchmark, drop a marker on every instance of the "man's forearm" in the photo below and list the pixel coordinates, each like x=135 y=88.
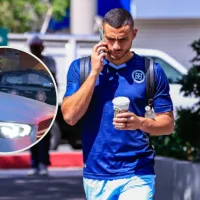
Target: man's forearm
x=75 y=106
x=162 y=125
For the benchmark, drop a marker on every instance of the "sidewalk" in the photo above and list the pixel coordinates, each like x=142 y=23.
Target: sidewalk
x=58 y=158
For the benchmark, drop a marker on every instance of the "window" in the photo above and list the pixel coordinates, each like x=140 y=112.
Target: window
x=37 y=79
x=172 y=74
x=13 y=79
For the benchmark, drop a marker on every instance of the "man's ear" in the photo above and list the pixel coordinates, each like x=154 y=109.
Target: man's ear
x=135 y=30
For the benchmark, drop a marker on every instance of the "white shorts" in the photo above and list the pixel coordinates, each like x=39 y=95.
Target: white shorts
x=134 y=188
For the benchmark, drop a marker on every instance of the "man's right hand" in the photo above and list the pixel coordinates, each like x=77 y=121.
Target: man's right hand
x=97 y=57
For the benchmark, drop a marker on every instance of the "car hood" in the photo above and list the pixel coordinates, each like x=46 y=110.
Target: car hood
x=24 y=110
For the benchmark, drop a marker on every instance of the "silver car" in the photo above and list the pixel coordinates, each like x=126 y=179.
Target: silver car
x=22 y=121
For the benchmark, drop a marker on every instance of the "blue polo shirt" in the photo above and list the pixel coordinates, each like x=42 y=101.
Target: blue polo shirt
x=109 y=153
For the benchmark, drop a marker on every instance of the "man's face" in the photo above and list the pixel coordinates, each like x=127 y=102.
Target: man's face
x=36 y=50
x=119 y=40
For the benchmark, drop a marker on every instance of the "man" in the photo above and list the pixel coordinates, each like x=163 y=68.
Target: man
x=36 y=47
x=118 y=158
x=40 y=152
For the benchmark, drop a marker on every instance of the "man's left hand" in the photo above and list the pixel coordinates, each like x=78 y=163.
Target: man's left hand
x=127 y=121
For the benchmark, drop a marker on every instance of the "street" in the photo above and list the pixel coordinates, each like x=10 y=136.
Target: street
x=61 y=184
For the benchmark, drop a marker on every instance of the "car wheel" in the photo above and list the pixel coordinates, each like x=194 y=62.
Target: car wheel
x=41 y=96
x=55 y=136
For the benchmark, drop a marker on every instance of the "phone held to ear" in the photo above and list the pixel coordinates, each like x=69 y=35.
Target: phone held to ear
x=101 y=35
x=102 y=38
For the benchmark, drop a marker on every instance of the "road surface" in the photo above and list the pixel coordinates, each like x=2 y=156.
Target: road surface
x=62 y=184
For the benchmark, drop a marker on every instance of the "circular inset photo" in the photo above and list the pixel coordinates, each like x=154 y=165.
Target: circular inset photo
x=28 y=99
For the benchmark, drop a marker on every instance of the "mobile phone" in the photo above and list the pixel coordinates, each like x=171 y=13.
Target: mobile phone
x=101 y=34
x=101 y=37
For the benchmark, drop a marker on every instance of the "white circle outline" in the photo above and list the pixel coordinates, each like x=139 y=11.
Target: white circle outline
x=135 y=71
x=56 y=107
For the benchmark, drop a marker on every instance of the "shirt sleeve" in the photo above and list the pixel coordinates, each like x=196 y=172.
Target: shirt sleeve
x=162 y=99
x=73 y=78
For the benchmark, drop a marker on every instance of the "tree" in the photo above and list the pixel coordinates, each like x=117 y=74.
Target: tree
x=188 y=122
x=28 y=15
x=184 y=143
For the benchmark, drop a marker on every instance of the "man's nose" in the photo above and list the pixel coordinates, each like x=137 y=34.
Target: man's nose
x=116 y=46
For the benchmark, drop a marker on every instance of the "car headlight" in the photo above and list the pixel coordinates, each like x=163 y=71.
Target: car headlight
x=14 y=130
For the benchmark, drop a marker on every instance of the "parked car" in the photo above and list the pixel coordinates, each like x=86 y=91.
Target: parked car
x=29 y=83
x=22 y=121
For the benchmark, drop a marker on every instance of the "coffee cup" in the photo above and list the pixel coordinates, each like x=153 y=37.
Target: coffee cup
x=120 y=105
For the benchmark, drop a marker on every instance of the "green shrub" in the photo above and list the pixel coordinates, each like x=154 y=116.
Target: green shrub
x=185 y=142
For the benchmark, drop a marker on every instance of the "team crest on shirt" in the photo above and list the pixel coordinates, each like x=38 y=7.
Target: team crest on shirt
x=138 y=76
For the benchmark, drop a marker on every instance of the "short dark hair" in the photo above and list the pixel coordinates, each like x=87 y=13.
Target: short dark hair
x=118 y=17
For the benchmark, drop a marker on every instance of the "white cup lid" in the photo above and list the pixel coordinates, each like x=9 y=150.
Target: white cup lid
x=121 y=101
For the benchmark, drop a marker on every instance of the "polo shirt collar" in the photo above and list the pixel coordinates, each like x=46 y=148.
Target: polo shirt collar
x=113 y=65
